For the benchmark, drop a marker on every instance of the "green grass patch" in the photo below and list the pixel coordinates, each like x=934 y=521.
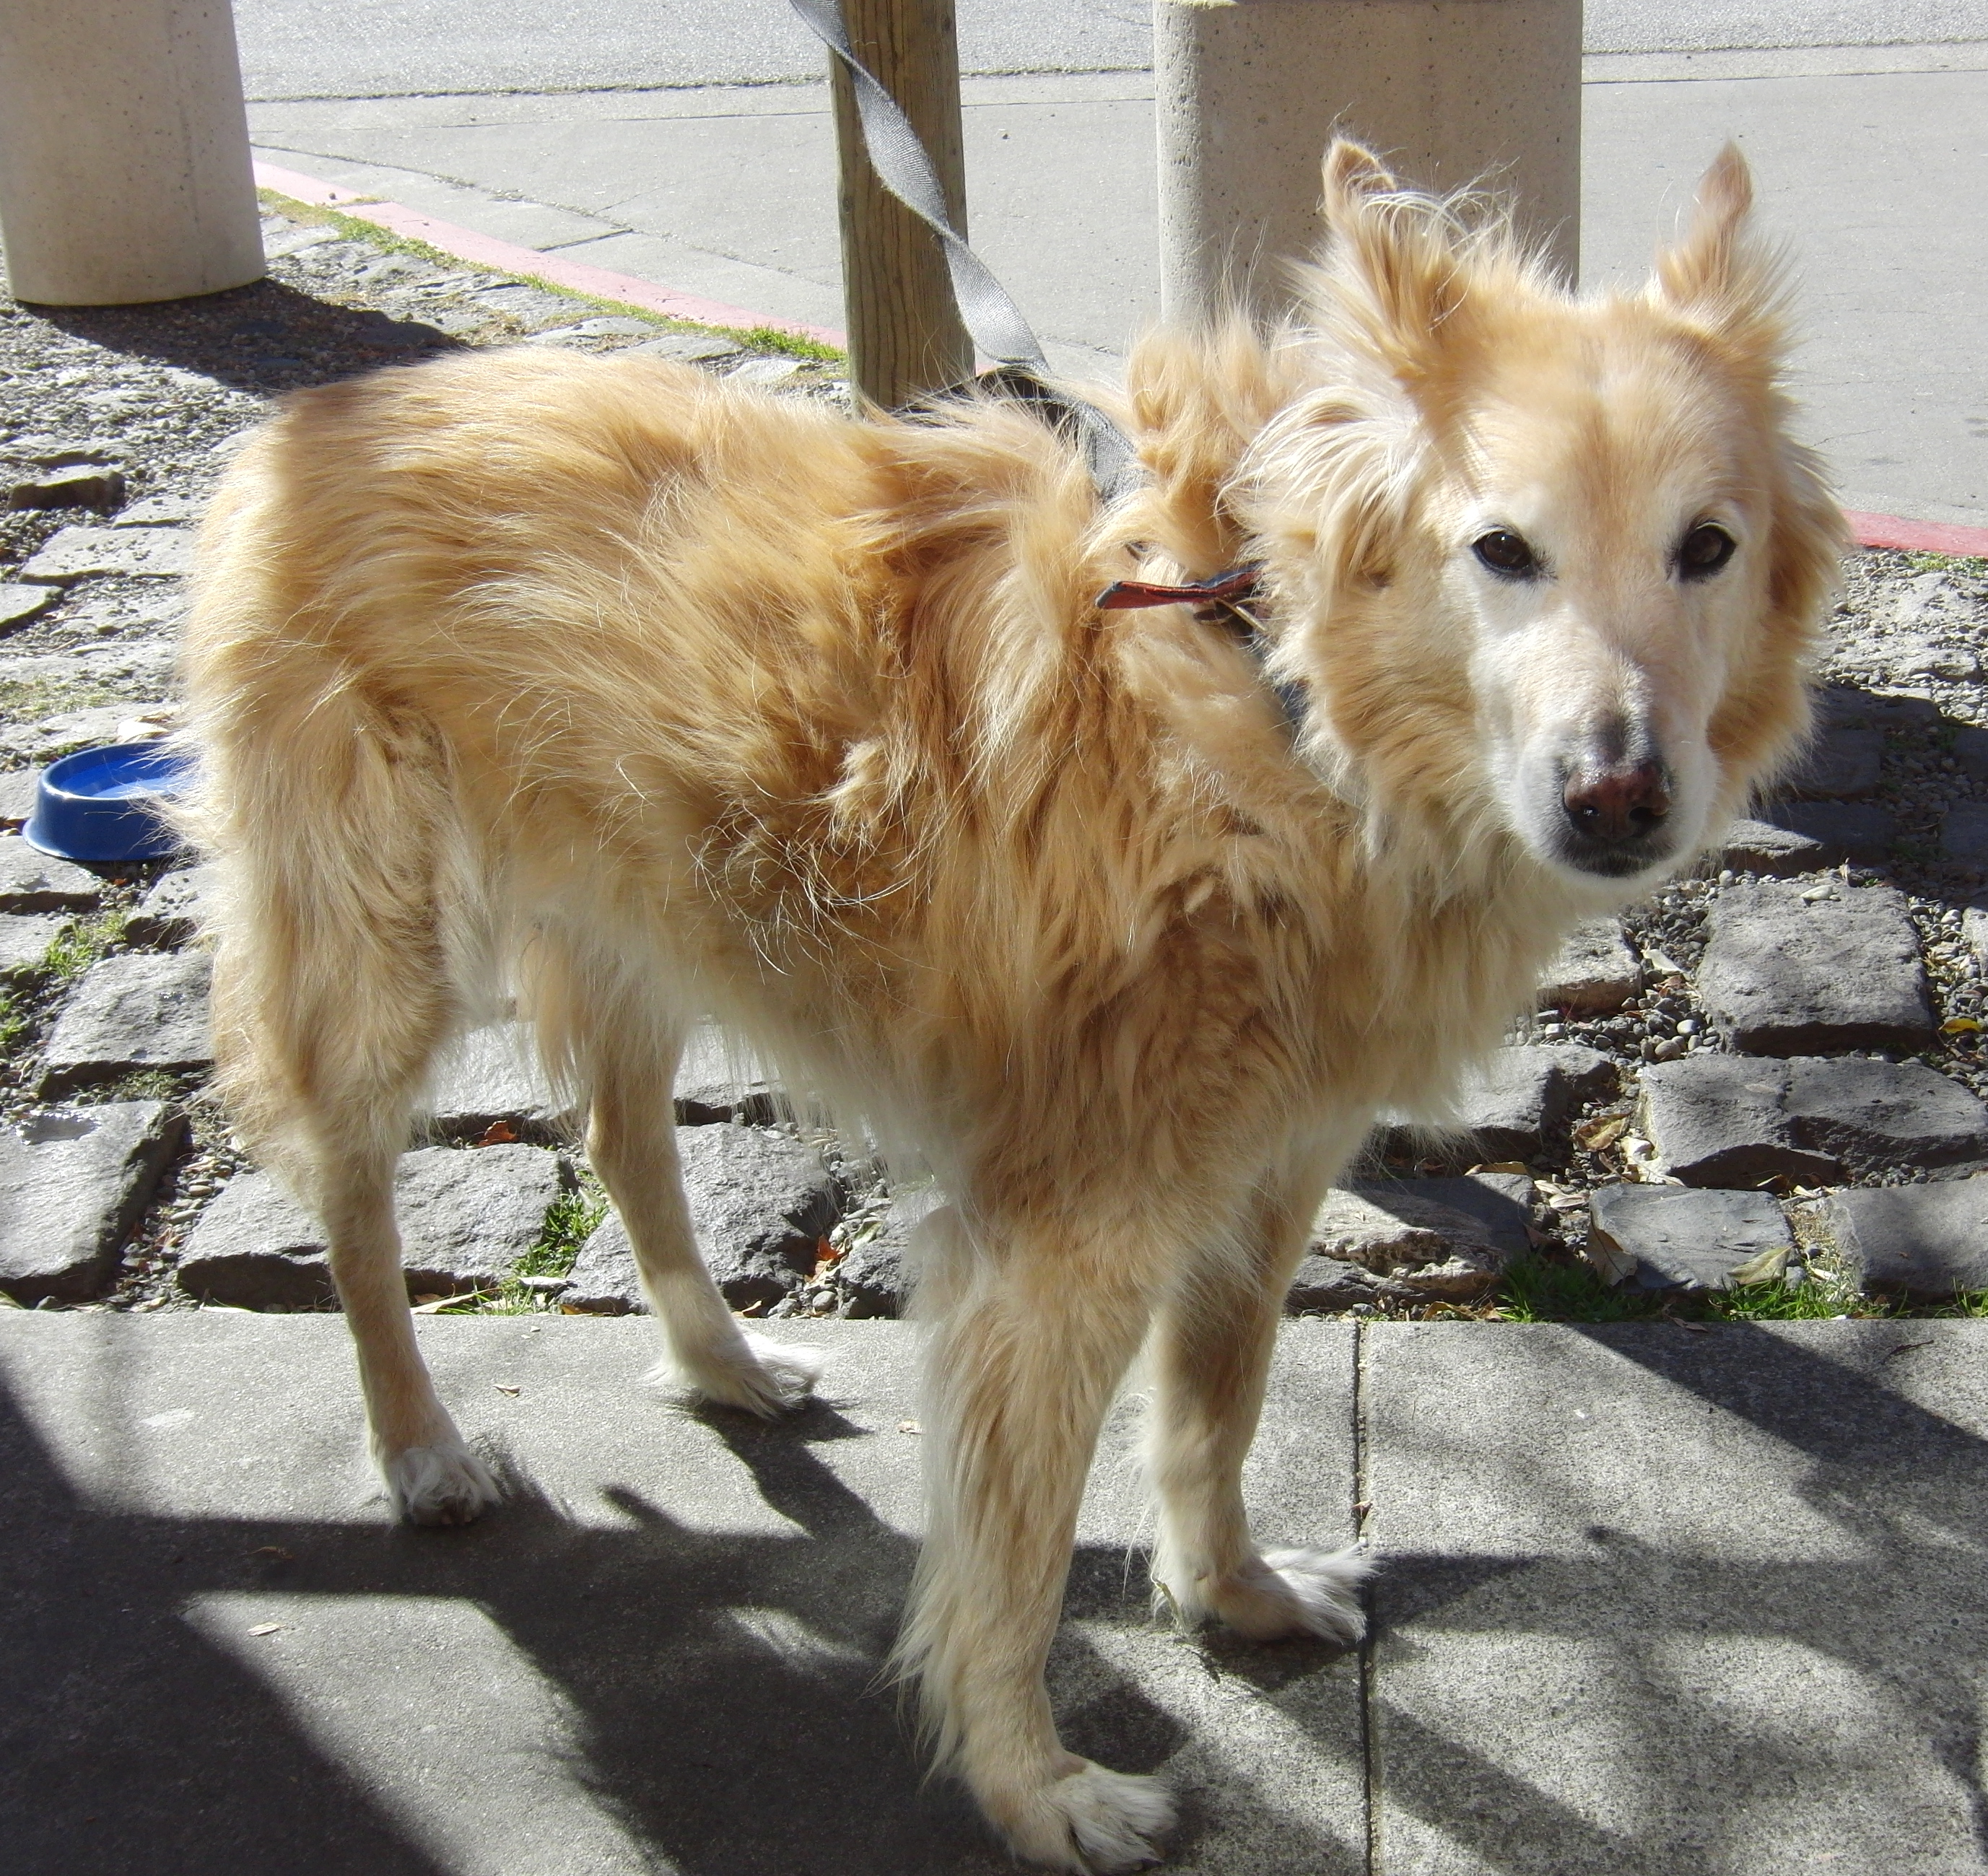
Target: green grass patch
x=15 y=1021
x=771 y=338
x=87 y=941
x=1944 y=562
x=1539 y=1289
x=569 y=1222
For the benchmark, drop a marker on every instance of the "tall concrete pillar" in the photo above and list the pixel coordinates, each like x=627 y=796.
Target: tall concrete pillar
x=1450 y=91
x=124 y=166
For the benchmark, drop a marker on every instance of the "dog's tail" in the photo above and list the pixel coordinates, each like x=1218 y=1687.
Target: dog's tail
x=337 y=893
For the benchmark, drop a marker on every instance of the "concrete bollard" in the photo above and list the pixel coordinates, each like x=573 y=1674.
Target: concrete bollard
x=124 y=167
x=1449 y=91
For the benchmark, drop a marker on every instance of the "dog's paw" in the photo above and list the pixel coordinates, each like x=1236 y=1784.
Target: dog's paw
x=1092 y=1820
x=763 y=1376
x=442 y=1484
x=1296 y=1592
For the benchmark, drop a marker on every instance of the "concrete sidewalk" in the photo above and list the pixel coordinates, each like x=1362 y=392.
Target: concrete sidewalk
x=1871 y=163
x=1653 y=1603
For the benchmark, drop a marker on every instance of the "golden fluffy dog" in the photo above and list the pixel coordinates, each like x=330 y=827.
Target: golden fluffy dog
x=598 y=684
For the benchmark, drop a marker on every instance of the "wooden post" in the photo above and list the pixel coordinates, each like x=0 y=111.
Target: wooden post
x=905 y=339
x=1249 y=92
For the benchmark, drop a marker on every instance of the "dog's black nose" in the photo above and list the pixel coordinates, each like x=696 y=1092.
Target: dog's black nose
x=1613 y=806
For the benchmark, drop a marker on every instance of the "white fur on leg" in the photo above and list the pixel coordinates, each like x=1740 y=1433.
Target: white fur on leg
x=1301 y=1591
x=443 y=1484
x=1092 y=1820
x=763 y=1376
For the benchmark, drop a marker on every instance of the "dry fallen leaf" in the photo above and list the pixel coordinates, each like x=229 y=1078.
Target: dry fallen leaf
x=1603 y=1132
x=1769 y=1265
x=266 y=1628
x=497 y=1134
x=909 y=1426
x=506 y=1386
x=1503 y=1165
x=275 y=1552
x=433 y=1305
x=1960 y=1025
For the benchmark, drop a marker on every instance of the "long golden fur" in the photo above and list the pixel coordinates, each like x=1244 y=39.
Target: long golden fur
x=636 y=698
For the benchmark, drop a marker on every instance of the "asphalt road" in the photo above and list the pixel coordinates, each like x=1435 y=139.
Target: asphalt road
x=334 y=49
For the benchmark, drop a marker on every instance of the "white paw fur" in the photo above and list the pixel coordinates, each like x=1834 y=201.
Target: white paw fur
x=1301 y=1591
x=443 y=1484
x=763 y=1376
x=1093 y=1819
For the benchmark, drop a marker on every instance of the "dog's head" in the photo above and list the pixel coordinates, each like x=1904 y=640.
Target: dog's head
x=1550 y=566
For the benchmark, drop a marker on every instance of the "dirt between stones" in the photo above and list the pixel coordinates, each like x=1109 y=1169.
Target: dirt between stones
x=114 y=424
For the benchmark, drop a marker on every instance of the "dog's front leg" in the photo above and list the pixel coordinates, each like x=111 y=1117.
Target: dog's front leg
x=1029 y=1346
x=1211 y=1360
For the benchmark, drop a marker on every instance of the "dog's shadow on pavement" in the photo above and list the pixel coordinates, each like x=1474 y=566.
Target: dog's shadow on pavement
x=134 y=1742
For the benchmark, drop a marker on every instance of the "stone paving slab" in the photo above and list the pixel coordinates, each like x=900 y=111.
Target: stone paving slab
x=661 y=1656
x=71 y=1185
x=1654 y=1603
x=141 y=1011
x=465 y=1218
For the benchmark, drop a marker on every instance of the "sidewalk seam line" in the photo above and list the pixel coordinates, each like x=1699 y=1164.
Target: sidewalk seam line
x=1369 y=1795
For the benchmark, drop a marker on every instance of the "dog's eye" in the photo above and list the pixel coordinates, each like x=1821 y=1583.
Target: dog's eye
x=1704 y=551
x=1506 y=554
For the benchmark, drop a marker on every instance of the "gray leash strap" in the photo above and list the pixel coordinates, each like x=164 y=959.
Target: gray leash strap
x=991 y=318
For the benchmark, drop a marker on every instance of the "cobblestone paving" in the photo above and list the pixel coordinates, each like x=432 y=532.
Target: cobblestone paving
x=1799 y=1022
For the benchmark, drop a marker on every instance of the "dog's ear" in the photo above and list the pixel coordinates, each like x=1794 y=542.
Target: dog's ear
x=1391 y=259
x=1718 y=273
x=1352 y=173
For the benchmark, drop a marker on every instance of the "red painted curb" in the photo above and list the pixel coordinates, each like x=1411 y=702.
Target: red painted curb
x=466 y=245
x=1917 y=536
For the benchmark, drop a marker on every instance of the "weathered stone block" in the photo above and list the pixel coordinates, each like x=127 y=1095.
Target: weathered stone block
x=170 y=914
x=492 y=1075
x=878 y=1275
x=1963 y=835
x=1927 y=1241
x=1672 y=1236
x=466 y=1217
x=21 y=602
x=1596 y=973
x=1854 y=831
x=1760 y=846
x=1505 y=1110
x=32 y=881
x=1784 y=974
x=1412 y=1240
x=73 y=1184
x=718 y=1080
x=82 y=553
x=147 y=1010
x=760 y=1205
x=17 y=797
x=25 y=940
x=1841 y=764
x=1737 y=1120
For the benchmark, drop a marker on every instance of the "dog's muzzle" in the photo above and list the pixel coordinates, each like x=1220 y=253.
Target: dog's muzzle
x=1615 y=816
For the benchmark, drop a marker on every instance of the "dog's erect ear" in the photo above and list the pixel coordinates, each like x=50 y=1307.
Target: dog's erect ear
x=1352 y=173
x=1390 y=258
x=1718 y=273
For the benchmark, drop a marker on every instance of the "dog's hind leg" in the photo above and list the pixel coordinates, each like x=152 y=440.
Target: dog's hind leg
x=1033 y=1336
x=1211 y=1357
x=631 y=1143
x=332 y=990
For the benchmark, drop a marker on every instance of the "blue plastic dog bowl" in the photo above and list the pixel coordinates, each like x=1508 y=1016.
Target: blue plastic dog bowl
x=102 y=804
